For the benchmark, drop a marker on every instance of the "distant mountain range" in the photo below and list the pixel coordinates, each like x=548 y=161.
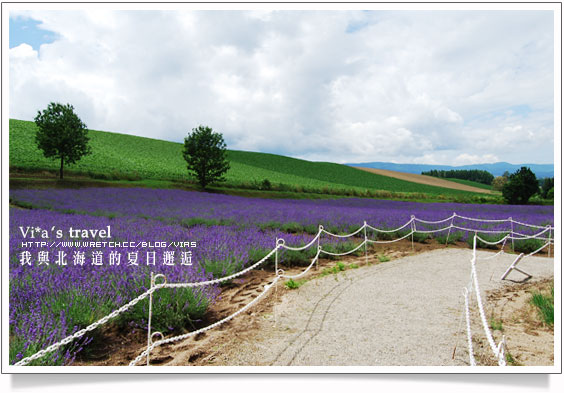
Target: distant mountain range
x=496 y=169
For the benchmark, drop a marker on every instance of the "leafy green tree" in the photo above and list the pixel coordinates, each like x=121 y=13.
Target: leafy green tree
x=499 y=182
x=520 y=186
x=547 y=185
x=206 y=155
x=61 y=134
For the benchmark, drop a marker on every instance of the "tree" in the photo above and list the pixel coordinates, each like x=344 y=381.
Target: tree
x=206 y=155
x=547 y=185
x=499 y=182
x=521 y=185
x=61 y=134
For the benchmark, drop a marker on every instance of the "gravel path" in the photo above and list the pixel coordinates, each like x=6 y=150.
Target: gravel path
x=401 y=313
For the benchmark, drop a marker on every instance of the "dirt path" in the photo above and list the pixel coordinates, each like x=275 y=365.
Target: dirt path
x=428 y=180
x=405 y=312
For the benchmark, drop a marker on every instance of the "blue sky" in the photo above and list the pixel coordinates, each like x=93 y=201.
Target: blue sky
x=433 y=87
x=26 y=30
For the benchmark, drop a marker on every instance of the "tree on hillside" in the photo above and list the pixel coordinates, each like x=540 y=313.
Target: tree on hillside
x=476 y=175
x=547 y=185
x=61 y=134
x=520 y=186
x=499 y=182
x=206 y=155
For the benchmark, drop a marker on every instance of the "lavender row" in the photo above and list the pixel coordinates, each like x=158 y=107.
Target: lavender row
x=343 y=215
x=49 y=301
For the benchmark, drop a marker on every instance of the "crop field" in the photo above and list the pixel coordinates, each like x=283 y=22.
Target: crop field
x=470 y=183
x=230 y=233
x=126 y=157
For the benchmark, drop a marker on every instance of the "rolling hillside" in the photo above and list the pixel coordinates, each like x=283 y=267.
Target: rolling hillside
x=433 y=181
x=497 y=169
x=133 y=157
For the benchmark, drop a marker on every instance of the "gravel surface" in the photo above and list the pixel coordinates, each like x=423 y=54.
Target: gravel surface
x=405 y=312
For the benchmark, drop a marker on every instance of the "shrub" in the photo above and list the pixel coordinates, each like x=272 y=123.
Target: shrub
x=486 y=237
x=221 y=268
x=527 y=245
x=266 y=185
x=256 y=254
x=297 y=258
x=420 y=237
x=292 y=227
x=452 y=238
x=383 y=235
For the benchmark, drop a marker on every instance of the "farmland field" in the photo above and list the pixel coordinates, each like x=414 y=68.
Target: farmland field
x=429 y=180
x=470 y=183
x=50 y=301
x=120 y=156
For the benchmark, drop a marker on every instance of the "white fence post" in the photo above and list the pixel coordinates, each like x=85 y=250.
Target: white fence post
x=413 y=229
x=513 y=266
x=549 y=237
x=512 y=240
x=449 y=228
x=319 y=231
x=365 y=245
x=150 y=316
x=276 y=258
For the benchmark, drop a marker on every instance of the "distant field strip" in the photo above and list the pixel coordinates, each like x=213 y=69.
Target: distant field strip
x=427 y=180
x=145 y=158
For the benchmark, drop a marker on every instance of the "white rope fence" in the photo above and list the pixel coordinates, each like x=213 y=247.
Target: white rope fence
x=279 y=274
x=497 y=349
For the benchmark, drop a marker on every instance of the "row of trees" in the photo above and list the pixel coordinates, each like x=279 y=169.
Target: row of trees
x=61 y=135
x=519 y=187
x=476 y=175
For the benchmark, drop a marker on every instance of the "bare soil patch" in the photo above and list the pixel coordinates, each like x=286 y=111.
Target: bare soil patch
x=530 y=342
x=428 y=180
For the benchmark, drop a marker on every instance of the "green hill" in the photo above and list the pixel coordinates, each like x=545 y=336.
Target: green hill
x=120 y=156
x=470 y=183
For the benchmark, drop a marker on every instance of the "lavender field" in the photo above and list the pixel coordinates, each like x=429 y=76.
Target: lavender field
x=192 y=208
x=49 y=300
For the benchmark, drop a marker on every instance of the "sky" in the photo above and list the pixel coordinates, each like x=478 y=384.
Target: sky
x=427 y=87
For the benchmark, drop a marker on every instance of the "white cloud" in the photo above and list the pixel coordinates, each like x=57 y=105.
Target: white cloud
x=467 y=159
x=430 y=87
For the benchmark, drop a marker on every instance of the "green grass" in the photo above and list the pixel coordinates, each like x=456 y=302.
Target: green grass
x=496 y=324
x=510 y=359
x=137 y=159
x=545 y=306
x=470 y=183
x=383 y=258
x=291 y=284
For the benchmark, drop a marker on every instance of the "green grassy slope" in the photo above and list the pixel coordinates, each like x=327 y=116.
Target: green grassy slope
x=470 y=183
x=134 y=157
